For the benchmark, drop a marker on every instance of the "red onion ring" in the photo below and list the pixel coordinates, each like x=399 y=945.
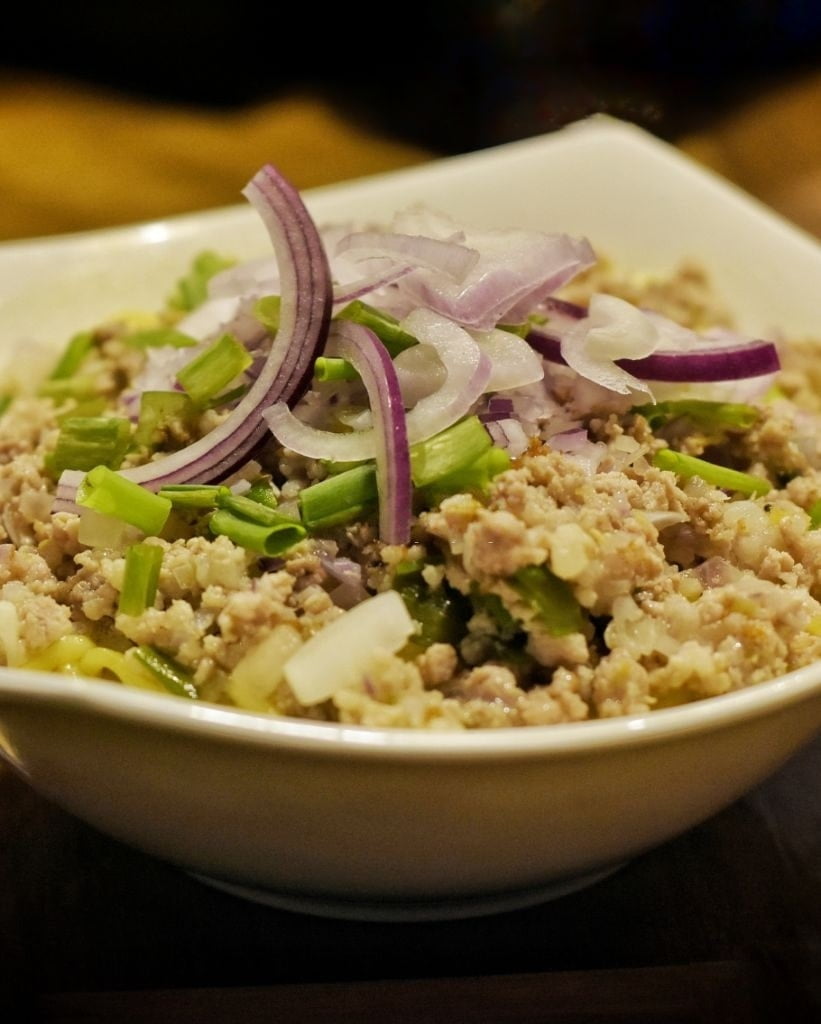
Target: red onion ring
x=725 y=362
x=306 y=296
x=361 y=347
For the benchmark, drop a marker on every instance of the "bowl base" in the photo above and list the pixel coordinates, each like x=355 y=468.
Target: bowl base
x=387 y=910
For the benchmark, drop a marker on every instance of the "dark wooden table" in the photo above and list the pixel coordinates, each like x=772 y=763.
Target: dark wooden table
x=722 y=924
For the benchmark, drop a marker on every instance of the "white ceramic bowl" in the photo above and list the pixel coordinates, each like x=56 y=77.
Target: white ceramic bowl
x=391 y=823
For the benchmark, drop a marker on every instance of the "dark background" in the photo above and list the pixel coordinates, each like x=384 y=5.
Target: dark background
x=452 y=76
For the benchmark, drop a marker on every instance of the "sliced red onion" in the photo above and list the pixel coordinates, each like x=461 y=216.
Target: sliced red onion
x=443 y=256
x=515 y=271
x=468 y=371
x=514 y=363
x=704 y=361
x=345 y=293
x=361 y=347
x=497 y=408
x=509 y=434
x=304 y=317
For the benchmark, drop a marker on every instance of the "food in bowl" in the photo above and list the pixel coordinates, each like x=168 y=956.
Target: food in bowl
x=426 y=476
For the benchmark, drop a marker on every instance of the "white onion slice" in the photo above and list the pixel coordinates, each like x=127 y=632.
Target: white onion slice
x=339 y=654
x=514 y=364
x=468 y=371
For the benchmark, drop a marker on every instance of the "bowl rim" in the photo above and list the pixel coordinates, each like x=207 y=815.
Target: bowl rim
x=205 y=720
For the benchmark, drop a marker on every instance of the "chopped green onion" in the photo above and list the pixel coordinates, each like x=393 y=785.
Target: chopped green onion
x=271 y=538
x=142 y=573
x=170 y=673
x=384 y=326
x=814 y=513
x=158 y=337
x=333 y=368
x=339 y=499
x=192 y=289
x=114 y=495
x=551 y=598
x=704 y=415
x=266 y=310
x=84 y=408
x=441 y=614
x=249 y=508
x=688 y=466
x=227 y=396
x=473 y=478
x=214 y=369
x=448 y=451
x=5 y=402
x=74 y=387
x=161 y=410
x=263 y=491
x=88 y=441
x=73 y=355
x=191 y=495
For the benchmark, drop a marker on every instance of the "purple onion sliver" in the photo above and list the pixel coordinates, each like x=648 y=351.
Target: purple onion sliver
x=361 y=347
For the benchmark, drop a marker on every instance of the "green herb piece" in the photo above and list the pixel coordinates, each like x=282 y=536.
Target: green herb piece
x=75 y=387
x=73 y=355
x=213 y=370
x=191 y=495
x=384 y=326
x=448 y=451
x=340 y=498
x=88 y=441
x=192 y=289
x=551 y=598
x=270 y=538
x=471 y=479
x=170 y=673
x=161 y=410
x=329 y=368
x=158 y=337
x=114 y=495
x=703 y=415
x=441 y=613
x=267 y=310
x=814 y=513
x=263 y=491
x=687 y=466
x=5 y=402
x=142 y=573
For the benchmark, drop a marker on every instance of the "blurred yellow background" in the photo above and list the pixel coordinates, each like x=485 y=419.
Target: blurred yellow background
x=76 y=156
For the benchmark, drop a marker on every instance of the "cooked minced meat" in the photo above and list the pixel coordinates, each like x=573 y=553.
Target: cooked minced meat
x=582 y=579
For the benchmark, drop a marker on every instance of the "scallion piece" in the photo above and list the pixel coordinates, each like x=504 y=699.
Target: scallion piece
x=263 y=491
x=448 y=451
x=73 y=387
x=73 y=355
x=114 y=495
x=172 y=675
x=142 y=573
x=161 y=410
x=472 y=478
x=192 y=289
x=191 y=495
x=333 y=368
x=213 y=370
x=88 y=441
x=266 y=310
x=271 y=538
x=550 y=597
x=814 y=512
x=384 y=326
x=157 y=337
x=687 y=466
x=702 y=414
x=339 y=499
x=5 y=402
